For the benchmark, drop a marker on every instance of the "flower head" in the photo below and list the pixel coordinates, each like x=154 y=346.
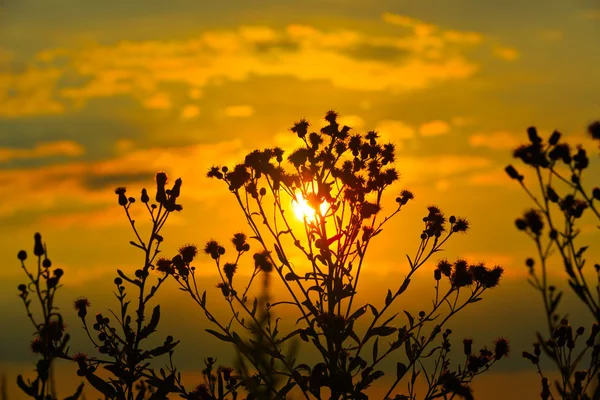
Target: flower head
x=81 y=305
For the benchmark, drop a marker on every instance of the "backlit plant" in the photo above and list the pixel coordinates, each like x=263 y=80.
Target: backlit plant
x=560 y=201
x=336 y=183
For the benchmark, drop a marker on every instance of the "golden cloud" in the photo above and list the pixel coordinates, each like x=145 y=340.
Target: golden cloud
x=500 y=140
x=506 y=53
x=190 y=111
x=434 y=128
x=429 y=55
x=394 y=130
x=239 y=111
x=44 y=149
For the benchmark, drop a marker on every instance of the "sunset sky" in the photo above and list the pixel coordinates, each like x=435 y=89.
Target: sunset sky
x=95 y=95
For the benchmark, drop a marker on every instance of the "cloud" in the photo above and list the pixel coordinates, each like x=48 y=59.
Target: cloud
x=90 y=185
x=434 y=128
x=239 y=111
x=348 y=59
x=500 y=140
x=158 y=101
x=394 y=130
x=461 y=121
x=190 y=111
x=29 y=92
x=506 y=53
x=353 y=121
x=428 y=168
x=41 y=150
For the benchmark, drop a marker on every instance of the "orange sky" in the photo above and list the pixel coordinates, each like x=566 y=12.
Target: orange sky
x=94 y=96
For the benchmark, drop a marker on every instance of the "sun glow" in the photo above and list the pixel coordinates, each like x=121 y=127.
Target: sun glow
x=303 y=210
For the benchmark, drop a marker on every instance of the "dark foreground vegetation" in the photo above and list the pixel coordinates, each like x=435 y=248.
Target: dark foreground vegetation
x=344 y=178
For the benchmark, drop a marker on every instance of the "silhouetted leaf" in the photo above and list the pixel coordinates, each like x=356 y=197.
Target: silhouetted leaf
x=411 y=320
x=403 y=287
x=219 y=335
x=25 y=387
x=280 y=255
x=151 y=327
x=77 y=393
x=375 y=349
x=101 y=385
x=382 y=331
x=388 y=297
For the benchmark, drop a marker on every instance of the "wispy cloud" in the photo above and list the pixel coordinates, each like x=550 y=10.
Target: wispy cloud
x=429 y=55
x=501 y=140
x=41 y=150
x=394 y=130
x=506 y=53
x=434 y=128
x=239 y=111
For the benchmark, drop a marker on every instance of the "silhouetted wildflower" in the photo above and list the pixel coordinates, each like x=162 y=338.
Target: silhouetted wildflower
x=81 y=305
x=120 y=191
x=461 y=225
x=225 y=288
x=445 y=267
x=512 y=172
x=38 y=247
x=165 y=266
x=37 y=345
x=461 y=276
x=229 y=270
x=22 y=255
x=188 y=252
x=468 y=346
x=262 y=261
x=594 y=130
x=534 y=221
x=493 y=277
x=501 y=348
x=213 y=249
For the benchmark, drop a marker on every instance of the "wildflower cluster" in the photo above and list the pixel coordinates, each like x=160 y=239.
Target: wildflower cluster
x=562 y=346
x=341 y=176
x=552 y=225
x=50 y=339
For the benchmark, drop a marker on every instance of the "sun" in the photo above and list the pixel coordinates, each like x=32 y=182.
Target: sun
x=303 y=210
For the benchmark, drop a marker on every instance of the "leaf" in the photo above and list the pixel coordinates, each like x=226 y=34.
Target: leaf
x=403 y=287
x=136 y=245
x=219 y=335
x=581 y=251
x=388 y=298
x=125 y=277
x=280 y=255
x=101 y=385
x=281 y=393
x=358 y=249
x=357 y=314
x=254 y=306
x=151 y=327
x=411 y=319
x=290 y=276
x=400 y=370
x=203 y=299
x=375 y=349
x=382 y=331
x=77 y=393
x=25 y=387
x=373 y=310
